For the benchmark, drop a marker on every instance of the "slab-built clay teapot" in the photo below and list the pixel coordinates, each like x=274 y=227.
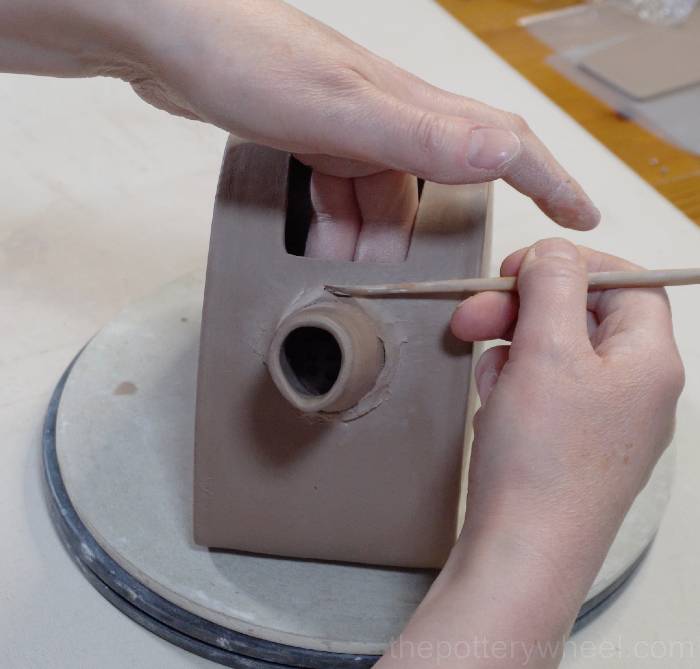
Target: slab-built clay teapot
x=329 y=427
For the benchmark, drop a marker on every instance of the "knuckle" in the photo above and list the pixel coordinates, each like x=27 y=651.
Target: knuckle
x=518 y=124
x=552 y=269
x=342 y=79
x=673 y=376
x=657 y=373
x=429 y=133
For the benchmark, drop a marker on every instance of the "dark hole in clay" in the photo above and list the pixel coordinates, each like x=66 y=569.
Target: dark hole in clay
x=310 y=358
x=299 y=210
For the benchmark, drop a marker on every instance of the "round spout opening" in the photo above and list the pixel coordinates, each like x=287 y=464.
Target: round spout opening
x=310 y=358
x=325 y=357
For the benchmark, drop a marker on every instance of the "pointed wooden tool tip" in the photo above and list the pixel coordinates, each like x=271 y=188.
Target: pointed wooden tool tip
x=377 y=290
x=340 y=291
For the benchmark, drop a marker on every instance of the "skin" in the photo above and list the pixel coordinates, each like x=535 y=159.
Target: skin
x=269 y=73
x=576 y=410
x=575 y=413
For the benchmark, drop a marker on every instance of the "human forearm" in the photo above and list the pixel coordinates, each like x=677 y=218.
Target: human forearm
x=574 y=415
x=269 y=73
x=507 y=596
x=71 y=38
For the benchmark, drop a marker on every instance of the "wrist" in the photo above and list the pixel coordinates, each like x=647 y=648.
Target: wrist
x=501 y=591
x=563 y=516
x=530 y=591
x=559 y=548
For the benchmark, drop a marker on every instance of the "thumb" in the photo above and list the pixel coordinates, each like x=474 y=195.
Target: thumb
x=553 y=291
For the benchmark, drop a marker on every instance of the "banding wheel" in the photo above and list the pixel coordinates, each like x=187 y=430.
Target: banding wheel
x=118 y=462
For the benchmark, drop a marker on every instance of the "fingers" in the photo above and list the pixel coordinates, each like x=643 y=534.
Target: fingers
x=388 y=202
x=621 y=320
x=337 y=167
x=336 y=221
x=484 y=316
x=592 y=325
x=634 y=318
x=533 y=171
x=552 y=289
x=488 y=369
x=440 y=137
x=640 y=312
x=439 y=147
x=492 y=315
x=365 y=219
x=453 y=149
x=511 y=264
x=538 y=175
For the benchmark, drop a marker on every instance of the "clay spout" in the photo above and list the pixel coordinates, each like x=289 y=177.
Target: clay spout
x=325 y=357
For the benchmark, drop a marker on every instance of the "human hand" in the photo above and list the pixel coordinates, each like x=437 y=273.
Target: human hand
x=577 y=410
x=269 y=73
x=575 y=413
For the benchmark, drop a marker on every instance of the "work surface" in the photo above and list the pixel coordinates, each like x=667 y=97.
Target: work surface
x=105 y=199
x=672 y=171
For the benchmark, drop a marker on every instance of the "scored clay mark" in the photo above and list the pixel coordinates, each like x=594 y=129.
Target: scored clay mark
x=125 y=388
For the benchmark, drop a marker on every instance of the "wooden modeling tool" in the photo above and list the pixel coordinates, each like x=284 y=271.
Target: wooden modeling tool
x=652 y=278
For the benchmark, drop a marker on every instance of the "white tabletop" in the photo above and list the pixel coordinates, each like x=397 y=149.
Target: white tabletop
x=104 y=199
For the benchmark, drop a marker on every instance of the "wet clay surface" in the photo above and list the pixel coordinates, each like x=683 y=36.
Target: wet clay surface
x=378 y=485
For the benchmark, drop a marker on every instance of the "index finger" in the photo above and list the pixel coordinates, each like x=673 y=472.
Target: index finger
x=535 y=172
x=626 y=316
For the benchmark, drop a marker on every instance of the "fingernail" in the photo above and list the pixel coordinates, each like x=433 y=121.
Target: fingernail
x=556 y=248
x=491 y=148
